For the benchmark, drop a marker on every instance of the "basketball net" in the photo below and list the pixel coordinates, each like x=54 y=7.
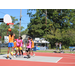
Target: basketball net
x=10 y=24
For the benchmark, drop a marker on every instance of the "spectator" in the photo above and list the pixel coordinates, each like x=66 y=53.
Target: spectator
x=56 y=45
x=60 y=46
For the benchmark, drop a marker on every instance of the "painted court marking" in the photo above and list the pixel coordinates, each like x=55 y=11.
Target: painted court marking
x=41 y=59
x=36 y=58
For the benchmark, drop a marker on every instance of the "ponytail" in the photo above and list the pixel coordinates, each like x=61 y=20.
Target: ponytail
x=11 y=33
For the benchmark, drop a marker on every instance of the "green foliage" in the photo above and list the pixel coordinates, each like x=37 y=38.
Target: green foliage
x=49 y=46
x=60 y=25
x=63 y=47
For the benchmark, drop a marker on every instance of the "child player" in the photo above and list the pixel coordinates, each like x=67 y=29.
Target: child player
x=19 y=48
x=32 y=46
x=28 y=47
x=10 y=44
x=15 y=47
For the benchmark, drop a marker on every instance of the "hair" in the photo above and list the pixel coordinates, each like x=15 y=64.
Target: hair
x=11 y=33
x=20 y=37
x=29 y=38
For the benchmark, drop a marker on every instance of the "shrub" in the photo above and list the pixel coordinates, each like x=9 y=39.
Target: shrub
x=49 y=46
x=63 y=47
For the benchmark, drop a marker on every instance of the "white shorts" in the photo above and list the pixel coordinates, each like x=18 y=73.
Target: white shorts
x=15 y=49
x=32 y=48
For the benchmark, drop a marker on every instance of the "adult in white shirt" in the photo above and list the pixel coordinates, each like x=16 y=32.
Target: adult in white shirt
x=60 y=45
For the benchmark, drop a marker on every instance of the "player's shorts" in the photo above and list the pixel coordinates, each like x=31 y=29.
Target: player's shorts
x=18 y=48
x=27 y=50
x=10 y=44
x=15 y=49
x=32 y=48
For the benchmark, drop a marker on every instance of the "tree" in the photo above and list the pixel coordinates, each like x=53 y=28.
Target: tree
x=60 y=24
x=37 y=24
x=24 y=32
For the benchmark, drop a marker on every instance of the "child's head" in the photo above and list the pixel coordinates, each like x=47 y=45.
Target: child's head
x=19 y=37
x=11 y=33
x=29 y=38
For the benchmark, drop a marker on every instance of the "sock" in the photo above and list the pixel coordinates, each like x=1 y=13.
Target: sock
x=7 y=55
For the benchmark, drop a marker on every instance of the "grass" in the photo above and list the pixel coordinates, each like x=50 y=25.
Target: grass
x=66 y=51
x=4 y=51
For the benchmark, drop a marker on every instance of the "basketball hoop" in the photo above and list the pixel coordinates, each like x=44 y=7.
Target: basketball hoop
x=10 y=24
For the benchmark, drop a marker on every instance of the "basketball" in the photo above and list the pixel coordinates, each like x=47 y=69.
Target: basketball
x=9 y=29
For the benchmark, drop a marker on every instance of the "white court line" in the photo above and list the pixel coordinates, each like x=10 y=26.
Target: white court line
x=36 y=59
x=59 y=59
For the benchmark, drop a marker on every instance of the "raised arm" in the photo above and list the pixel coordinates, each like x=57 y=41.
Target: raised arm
x=7 y=32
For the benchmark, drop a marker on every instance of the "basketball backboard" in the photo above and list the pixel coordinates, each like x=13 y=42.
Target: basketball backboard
x=7 y=19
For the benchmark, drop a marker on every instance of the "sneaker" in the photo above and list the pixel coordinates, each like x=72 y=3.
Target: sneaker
x=33 y=55
x=11 y=53
x=16 y=55
x=28 y=56
x=7 y=56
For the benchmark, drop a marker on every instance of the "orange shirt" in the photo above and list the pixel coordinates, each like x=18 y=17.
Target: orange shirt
x=32 y=44
x=11 y=39
x=15 y=45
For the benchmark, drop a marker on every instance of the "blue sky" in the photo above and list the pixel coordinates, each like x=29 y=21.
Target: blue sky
x=16 y=13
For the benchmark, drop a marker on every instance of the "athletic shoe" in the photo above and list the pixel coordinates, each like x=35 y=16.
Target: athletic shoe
x=28 y=56
x=16 y=55
x=11 y=53
x=7 y=56
x=33 y=55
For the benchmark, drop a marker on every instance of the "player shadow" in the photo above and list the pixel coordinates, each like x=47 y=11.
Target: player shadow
x=25 y=57
x=16 y=57
x=21 y=56
x=6 y=57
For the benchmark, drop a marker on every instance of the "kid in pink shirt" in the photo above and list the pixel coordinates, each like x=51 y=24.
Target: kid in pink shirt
x=19 y=48
x=28 y=47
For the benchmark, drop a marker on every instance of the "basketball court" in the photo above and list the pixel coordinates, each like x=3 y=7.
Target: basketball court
x=41 y=59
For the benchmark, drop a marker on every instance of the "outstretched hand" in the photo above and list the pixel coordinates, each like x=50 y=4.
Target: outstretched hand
x=13 y=34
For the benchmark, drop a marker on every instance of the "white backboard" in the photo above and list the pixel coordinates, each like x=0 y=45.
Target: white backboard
x=7 y=19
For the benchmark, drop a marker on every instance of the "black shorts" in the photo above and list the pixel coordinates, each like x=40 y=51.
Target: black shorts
x=27 y=50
